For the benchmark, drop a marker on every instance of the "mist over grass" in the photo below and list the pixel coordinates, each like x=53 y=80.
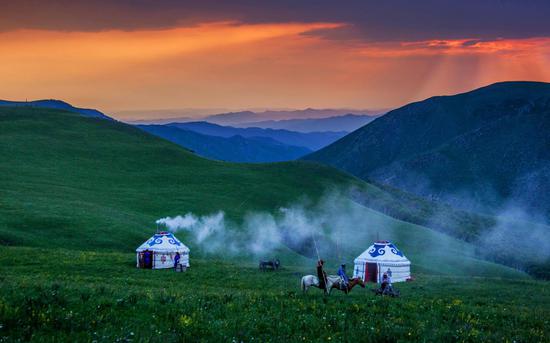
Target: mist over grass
x=515 y=235
x=519 y=239
x=334 y=228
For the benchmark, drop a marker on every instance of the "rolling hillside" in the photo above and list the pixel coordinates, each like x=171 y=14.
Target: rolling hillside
x=55 y=104
x=232 y=149
x=310 y=140
x=79 y=194
x=479 y=150
x=82 y=183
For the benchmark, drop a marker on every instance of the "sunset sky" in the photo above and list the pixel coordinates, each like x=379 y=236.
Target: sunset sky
x=164 y=54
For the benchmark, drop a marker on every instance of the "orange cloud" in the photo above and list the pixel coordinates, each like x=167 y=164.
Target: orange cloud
x=230 y=65
x=458 y=46
x=38 y=49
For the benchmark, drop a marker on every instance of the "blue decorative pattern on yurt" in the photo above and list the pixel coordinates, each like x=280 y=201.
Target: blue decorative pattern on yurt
x=157 y=239
x=395 y=250
x=378 y=249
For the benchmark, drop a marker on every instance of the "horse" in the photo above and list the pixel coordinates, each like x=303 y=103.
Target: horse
x=274 y=264
x=333 y=281
x=351 y=283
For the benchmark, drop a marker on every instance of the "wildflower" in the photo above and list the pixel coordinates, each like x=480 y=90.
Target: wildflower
x=185 y=320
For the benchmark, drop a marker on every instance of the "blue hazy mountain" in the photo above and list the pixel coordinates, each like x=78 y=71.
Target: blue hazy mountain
x=57 y=104
x=347 y=122
x=310 y=140
x=234 y=149
x=238 y=118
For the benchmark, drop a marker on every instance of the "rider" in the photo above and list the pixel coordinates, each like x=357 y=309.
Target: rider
x=342 y=274
x=321 y=275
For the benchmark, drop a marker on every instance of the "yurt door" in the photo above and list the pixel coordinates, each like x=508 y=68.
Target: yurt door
x=146 y=259
x=371 y=271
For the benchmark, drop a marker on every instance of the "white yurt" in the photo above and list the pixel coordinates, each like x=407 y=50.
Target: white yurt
x=159 y=252
x=379 y=258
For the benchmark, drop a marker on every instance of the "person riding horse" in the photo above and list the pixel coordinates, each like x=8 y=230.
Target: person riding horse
x=322 y=275
x=342 y=273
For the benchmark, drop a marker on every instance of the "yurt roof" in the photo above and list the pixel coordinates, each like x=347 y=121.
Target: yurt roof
x=382 y=251
x=163 y=242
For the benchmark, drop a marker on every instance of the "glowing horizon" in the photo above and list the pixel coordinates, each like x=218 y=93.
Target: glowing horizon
x=234 y=65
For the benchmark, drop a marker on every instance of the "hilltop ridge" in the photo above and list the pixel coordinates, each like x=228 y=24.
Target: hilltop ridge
x=476 y=150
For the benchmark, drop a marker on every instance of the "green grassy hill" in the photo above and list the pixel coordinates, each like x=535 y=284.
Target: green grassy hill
x=70 y=180
x=81 y=183
x=78 y=195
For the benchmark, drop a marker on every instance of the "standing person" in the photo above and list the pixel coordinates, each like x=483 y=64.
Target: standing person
x=390 y=287
x=176 y=261
x=385 y=283
x=342 y=273
x=322 y=275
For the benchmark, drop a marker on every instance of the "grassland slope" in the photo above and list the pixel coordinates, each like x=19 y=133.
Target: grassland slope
x=88 y=184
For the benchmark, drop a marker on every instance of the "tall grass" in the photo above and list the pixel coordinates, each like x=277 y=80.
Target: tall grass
x=51 y=295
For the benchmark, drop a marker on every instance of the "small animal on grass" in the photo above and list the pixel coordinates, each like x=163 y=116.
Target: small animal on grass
x=387 y=291
x=273 y=264
x=333 y=282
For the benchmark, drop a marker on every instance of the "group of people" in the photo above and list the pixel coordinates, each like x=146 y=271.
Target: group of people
x=322 y=275
x=386 y=284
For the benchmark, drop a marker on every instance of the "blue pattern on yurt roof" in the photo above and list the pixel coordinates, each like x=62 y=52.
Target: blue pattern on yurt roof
x=157 y=239
x=395 y=250
x=378 y=249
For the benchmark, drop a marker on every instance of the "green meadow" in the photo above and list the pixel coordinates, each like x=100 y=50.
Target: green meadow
x=78 y=195
x=52 y=295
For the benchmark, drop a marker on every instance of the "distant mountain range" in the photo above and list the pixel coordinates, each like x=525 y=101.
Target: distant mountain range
x=310 y=140
x=347 y=122
x=481 y=149
x=234 y=149
x=239 y=118
x=216 y=141
x=57 y=104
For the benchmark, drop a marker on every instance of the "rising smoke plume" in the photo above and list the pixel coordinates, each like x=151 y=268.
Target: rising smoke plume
x=338 y=229
x=322 y=229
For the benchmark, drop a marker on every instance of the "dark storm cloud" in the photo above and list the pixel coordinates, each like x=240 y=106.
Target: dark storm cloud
x=367 y=20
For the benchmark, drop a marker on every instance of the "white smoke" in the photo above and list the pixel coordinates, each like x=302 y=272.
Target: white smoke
x=211 y=231
x=178 y=222
x=315 y=229
x=338 y=229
